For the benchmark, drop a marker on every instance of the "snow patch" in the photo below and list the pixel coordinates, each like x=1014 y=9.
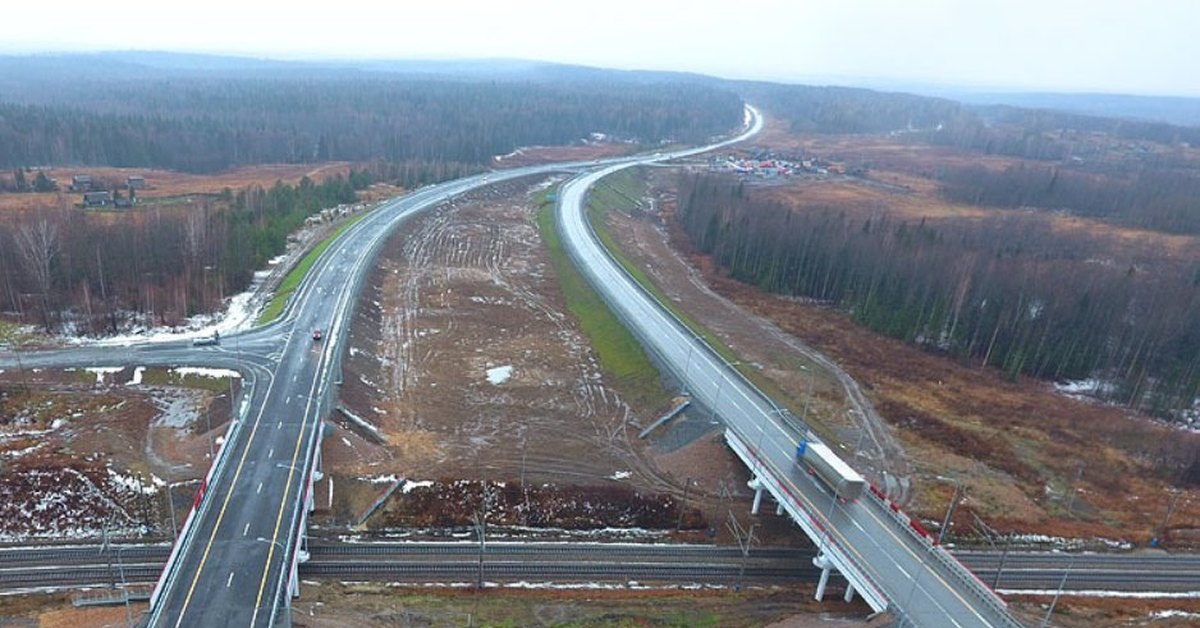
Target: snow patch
x=137 y=376
x=620 y=475
x=199 y=371
x=135 y=485
x=1145 y=595
x=240 y=312
x=410 y=485
x=379 y=479
x=1169 y=614
x=101 y=371
x=500 y=374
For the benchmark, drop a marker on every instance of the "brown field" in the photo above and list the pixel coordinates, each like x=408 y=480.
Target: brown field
x=165 y=184
x=534 y=155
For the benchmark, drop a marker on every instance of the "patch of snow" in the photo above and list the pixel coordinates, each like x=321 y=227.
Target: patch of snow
x=620 y=475
x=184 y=371
x=348 y=443
x=409 y=485
x=1172 y=613
x=1145 y=595
x=1085 y=388
x=500 y=374
x=176 y=407
x=133 y=484
x=1059 y=542
x=239 y=314
x=101 y=371
x=137 y=376
x=379 y=479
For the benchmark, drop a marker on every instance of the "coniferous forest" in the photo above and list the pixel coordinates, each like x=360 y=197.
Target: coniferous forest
x=1006 y=291
x=69 y=270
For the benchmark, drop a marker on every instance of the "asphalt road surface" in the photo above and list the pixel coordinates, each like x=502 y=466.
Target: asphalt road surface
x=900 y=567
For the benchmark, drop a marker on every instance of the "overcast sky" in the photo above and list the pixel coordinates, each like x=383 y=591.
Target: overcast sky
x=1126 y=46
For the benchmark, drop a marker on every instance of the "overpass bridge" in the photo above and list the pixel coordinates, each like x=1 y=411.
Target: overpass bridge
x=887 y=558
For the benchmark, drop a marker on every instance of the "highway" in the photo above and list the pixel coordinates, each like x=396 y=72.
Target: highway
x=899 y=570
x=239 y=563
x=236 y=561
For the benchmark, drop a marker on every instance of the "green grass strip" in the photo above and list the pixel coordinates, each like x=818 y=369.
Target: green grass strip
x=296 y=275
x=621 y=355
x=614 y=193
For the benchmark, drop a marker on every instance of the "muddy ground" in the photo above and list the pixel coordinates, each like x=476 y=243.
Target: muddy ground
x=468 y=290
x=89 y=449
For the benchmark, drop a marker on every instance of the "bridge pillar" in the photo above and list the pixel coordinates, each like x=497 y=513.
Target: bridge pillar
x=317 y=473
x=821 y=561
x=849 y=592
x=778 y=508
x=821 y=584
x=757 y=485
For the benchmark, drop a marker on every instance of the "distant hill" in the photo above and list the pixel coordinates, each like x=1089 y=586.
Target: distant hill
x=1170 y=109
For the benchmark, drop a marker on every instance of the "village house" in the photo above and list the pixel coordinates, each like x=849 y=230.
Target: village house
x=81 y=183
x=96 y=199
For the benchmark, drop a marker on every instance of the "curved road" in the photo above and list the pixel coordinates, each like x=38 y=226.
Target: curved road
x=894 y=568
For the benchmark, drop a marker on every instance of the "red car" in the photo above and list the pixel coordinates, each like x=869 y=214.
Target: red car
x=316 y=335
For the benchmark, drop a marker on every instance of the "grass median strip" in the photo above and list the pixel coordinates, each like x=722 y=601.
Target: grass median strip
x=619 y=192
x=620 y=353
x=296 y=275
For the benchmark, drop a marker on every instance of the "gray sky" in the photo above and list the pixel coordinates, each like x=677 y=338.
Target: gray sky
x=1128 y=46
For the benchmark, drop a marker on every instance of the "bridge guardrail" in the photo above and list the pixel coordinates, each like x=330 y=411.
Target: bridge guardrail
x=960 y=573
x=842 y=554
x=947 y=560
x=188 y=530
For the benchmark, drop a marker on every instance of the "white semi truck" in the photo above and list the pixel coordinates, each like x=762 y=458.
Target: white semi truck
x=822 y=462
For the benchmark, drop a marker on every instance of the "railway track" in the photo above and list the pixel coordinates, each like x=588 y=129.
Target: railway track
x=63 y=566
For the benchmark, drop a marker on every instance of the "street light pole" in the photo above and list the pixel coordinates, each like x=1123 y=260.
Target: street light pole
x=287 y=598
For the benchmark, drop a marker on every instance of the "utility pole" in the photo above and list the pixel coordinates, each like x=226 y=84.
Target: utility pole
x=1162 y=530
x=744 y=540
x=683 y=504
x=1061 y=585
x=950 y=508
x=481 y=528
x=171 y=509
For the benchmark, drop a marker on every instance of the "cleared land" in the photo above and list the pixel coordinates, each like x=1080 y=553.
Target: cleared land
x=89 y=449
x=470 y=292
x=164 y=188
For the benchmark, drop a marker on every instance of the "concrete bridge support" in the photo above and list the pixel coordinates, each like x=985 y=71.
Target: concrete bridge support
x=822 y=561
x=758 y=487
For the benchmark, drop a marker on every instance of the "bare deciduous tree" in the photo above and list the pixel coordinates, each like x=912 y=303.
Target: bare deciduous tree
x=38 y=242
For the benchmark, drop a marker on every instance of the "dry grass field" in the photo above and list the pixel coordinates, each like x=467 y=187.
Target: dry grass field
x=164 y=188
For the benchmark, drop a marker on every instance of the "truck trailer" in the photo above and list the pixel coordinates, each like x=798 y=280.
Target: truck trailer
x=846 y=483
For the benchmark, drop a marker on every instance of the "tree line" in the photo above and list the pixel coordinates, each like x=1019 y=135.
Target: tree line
x=1006 y=291
x=211 y=124
x=83 y=272
x=990 y=129
x=1156 y=199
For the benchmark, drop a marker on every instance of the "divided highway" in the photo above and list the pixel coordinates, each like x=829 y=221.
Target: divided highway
x=236 y=562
